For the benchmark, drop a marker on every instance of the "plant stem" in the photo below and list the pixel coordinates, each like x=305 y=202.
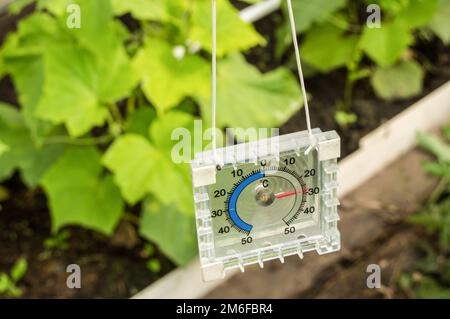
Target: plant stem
x=348 y=94
x=131 y=218
x=116 y=112
x=131 y=104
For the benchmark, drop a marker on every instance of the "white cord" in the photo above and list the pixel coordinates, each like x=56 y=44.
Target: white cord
x=214 y=79
x=299 y=64
x=214 y=73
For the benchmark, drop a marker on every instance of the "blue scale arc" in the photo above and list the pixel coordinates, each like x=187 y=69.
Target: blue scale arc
x=234 y=216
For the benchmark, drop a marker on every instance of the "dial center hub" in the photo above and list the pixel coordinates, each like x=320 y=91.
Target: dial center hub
x=264 y=196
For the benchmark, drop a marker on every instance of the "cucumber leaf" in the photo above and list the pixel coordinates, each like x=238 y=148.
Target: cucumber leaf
x=20 y=152
x=79 y=194
x=133 y=160
x=435 y=146
x=171 y=230
x=247 y=98
x=327 y=35
x=401 y=81
x=166 y=80
x=232 y=33
x=141 y=166
x=385 y=45
x=440 y=24
x=65 y=77
x=308 y=12
x=418 y=13
x=142 y=9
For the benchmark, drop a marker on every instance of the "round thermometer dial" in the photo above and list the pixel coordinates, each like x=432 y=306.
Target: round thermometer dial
x=261 y=205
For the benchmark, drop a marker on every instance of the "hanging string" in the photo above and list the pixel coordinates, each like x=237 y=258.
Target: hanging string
x=214 y=79
x=214 y=73
x=299 y=64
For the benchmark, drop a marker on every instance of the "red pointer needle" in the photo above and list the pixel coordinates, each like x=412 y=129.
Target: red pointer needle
x=287 y=194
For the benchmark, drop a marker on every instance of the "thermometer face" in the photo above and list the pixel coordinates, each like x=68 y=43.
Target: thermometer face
x=264 y=203
x=261 y=205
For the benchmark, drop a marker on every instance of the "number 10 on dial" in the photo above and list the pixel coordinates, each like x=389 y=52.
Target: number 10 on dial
x=262 y=205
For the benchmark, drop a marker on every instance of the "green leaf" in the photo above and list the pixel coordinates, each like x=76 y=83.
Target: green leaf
x=308 y=12
x=385 y=45
x=434 y=145
x=344 y=119
x=440 y=23
x=139 y=121
x=15 y=292
x=142 y=9
x=17 y=6
x=390 y=7
x=161 y=130
x=418 y=13
x=10 y=116
x=99 y=72
x=328 y=36
x=5 y=283
x=19 y=269
x=22 y=55
x=42 y=157
x=401 y=81
x=154 y=265
x=141 y=167
x=56 y=7
x=247 y=98
x=437 y=169
x=133 y=160
x=28 y=75
x=70 y=95
x=3 y=148
x=98 y=30
x=79 y=194
x=14 y=138
x=170 y=229
x=232 y=33
x=62 y=75
x=171 y=184
x=430 y=222
x=431 y=289
x=446 y=131
x=169 y=172
x=162 y=73
x=17 y=141
x=23 y=154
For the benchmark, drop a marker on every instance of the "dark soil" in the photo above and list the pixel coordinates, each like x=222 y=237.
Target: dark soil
x=116 y=267
x=111 y=267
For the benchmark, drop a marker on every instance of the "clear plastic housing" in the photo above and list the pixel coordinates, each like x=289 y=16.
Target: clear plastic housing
x=267 y=199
